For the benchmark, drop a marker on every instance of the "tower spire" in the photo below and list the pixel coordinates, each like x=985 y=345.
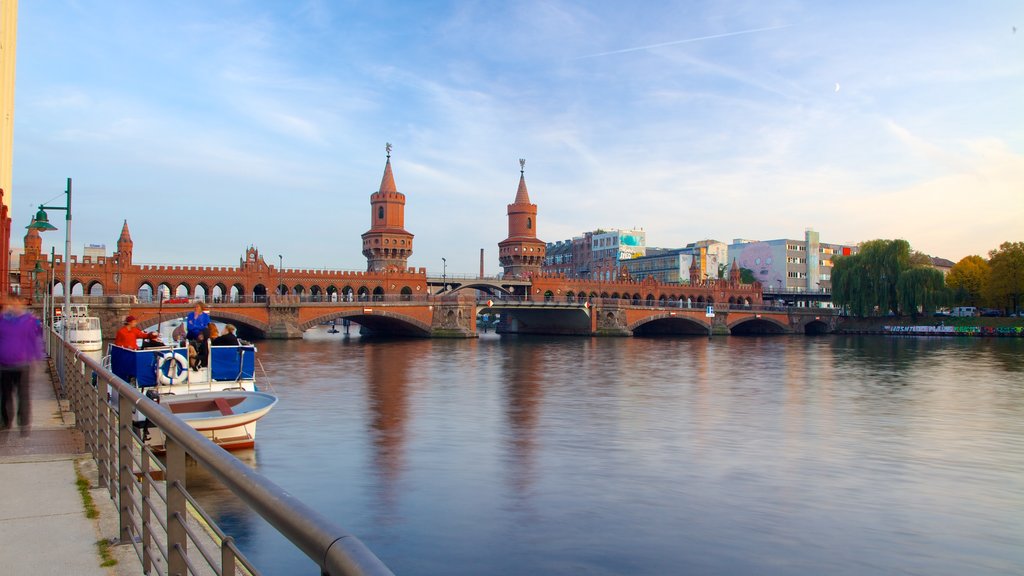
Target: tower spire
x=522 y=254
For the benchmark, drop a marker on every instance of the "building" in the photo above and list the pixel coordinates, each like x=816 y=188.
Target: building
x=8 y=52
x=597 y=254
x=790 y=265
x=521 y=254
x=674 y=265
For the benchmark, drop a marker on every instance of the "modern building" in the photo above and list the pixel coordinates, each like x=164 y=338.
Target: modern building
x=596 y=254
x=790 y=265
x=673 y=265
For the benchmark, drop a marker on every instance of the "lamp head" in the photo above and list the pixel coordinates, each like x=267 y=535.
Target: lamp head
x=41 y=222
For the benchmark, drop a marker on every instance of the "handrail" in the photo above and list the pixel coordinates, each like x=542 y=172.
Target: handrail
x=336 y=551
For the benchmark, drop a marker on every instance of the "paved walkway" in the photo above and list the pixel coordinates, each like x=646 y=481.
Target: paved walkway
x=43 y=528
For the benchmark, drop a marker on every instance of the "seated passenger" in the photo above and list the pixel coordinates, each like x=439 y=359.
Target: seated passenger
x=228 y=338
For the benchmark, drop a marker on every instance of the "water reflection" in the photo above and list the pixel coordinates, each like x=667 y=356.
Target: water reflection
x=653 y=456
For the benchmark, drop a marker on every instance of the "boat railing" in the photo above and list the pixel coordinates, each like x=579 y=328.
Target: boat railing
x=155 y=507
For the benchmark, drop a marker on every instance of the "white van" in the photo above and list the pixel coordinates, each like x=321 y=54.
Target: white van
x=964 y=311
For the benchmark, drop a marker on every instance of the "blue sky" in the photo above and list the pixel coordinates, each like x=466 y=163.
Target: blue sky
x=214 y=125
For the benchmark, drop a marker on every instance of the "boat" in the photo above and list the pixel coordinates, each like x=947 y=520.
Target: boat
x=84 y=332
x=227 y=418
x=220 y=400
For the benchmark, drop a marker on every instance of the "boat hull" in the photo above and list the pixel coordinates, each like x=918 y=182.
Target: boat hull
x=227 y=418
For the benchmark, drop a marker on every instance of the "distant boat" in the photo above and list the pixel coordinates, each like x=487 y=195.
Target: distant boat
x=84 y=332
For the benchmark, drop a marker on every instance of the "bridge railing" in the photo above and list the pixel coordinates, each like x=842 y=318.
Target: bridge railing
x=532 y=300
x=157 y=514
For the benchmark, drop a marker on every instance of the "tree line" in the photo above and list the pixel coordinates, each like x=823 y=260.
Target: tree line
x=887 y=277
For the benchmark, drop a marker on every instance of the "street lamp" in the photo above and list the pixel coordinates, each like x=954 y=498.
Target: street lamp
x=42 y=223
x=444 y=274
x=280 y=267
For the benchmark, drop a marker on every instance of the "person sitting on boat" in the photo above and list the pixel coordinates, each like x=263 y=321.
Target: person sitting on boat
x=228 y=338
x=196 y=321
x=129 y=334
x=198 y=351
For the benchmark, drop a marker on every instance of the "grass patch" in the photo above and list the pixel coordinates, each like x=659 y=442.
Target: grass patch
x=83 y=489
x=105 y=555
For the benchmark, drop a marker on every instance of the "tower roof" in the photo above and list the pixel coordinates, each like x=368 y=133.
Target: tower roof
x=125 y=235
x=522 y=196
x=387 y=183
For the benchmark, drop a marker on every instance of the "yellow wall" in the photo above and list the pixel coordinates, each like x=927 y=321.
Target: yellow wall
x=8 y=44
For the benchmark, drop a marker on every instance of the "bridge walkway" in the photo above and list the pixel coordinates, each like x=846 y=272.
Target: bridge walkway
x=43 y=527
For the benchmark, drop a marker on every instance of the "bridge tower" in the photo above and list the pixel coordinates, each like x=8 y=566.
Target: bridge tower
x=124 y=247
x=387 y=244
x=522 y=254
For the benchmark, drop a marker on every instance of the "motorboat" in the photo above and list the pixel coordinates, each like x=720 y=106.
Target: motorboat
x=220 y=399
x=84 y=332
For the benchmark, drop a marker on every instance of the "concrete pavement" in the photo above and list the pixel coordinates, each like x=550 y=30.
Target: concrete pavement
x=43 y=527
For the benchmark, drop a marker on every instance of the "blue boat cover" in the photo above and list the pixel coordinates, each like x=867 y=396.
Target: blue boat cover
x=232 y=362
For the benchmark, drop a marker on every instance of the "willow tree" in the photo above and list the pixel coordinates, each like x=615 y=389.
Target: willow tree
x=1006 y=275
x=869 y=281
x=920 y=290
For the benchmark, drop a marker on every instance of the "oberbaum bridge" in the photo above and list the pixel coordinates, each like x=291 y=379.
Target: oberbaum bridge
x=391 y=298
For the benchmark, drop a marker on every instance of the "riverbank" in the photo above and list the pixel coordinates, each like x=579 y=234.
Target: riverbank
x=933 y=326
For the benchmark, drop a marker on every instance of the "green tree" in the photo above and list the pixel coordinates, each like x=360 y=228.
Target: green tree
x=920 y=290
x=968 y=280
x=1006 y=275
x=747 y=276
x=873 y=280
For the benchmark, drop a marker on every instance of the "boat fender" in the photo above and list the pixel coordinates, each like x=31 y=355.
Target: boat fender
x=171 y=368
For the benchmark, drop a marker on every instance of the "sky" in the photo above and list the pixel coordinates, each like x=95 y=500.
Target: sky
x=215 y=125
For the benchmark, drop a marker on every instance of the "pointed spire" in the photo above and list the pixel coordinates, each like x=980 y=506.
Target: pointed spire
x=387 y=183
x=735 y=266
x=522 y=196
x=125 y=235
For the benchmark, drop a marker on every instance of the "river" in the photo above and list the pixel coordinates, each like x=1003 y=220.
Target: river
x=729 y=455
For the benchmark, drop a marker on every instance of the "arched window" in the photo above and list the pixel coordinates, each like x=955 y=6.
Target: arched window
x=380 y=212
x=529 y=223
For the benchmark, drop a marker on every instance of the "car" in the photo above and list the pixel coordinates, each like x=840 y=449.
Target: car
x=940 y=314
x=991 y=312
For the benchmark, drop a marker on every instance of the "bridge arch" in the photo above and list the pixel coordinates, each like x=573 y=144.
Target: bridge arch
x=95 y=288
x=751 y=325
x=667 y=323
x=382 y=321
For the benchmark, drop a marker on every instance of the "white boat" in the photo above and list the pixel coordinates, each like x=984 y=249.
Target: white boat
x=220 y=399
x=84 y=331
x=227 y=418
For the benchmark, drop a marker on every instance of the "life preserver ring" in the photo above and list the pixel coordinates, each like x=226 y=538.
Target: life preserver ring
x=171 y=368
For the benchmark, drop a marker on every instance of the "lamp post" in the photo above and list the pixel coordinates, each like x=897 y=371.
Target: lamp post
x=42 y=223
x=444 y=274
x=280 y=268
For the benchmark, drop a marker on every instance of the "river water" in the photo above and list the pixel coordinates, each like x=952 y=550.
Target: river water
x=759 y=455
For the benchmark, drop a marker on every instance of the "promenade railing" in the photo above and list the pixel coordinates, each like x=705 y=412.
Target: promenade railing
x=164 y=523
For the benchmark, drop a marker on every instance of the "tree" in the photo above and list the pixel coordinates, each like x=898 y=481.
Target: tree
x=873 y=279
x=920 y=290
x=1006 y=275
x=968 y=280
x=747 y=276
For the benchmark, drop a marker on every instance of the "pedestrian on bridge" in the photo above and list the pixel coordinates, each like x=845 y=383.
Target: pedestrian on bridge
x=21 y=346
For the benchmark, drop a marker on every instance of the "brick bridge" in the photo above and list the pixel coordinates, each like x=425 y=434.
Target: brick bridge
x=455 y=317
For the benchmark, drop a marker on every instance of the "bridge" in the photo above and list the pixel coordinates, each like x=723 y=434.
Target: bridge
x=455 y=316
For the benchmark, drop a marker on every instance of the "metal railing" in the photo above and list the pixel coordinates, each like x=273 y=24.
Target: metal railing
x=166 y=526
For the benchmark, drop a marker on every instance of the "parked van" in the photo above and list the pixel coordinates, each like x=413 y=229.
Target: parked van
x=964 y=311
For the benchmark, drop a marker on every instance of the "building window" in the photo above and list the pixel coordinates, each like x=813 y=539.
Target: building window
x=380 y=212
x=529 y=223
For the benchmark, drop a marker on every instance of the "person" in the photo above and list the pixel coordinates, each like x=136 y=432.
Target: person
x=228 y=338
x=129 y=334
x=196 y=321
x=199 y=350
x=21 y=345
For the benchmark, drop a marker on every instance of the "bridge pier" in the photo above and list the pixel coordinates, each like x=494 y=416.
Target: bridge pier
x=454 y=317
x=283 y=321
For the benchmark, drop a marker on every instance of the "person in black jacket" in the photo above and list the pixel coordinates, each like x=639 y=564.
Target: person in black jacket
x=228 y=338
